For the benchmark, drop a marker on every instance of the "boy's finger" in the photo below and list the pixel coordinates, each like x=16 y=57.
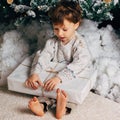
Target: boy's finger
x=50 y=86
x=58 y=90
x=30 y=85
x=47 y=83
x=40 y=83
x=26 y=83
x=46 y=86
x=64 y=93
x=34 y=85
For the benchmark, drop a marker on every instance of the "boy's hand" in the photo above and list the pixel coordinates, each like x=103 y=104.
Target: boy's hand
x=51 y=83
x=33 y=82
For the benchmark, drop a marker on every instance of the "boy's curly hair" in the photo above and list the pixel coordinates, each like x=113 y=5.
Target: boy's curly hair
x=69 y=10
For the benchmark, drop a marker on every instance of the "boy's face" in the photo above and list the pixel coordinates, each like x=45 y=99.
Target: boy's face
x=65 y=31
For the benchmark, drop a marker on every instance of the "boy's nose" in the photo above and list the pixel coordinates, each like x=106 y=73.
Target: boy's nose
x=60 y=33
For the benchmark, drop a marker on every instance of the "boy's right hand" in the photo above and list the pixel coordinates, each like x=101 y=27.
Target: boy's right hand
x=33 y=82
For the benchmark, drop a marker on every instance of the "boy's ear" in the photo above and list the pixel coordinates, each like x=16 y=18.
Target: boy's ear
x=77 y=25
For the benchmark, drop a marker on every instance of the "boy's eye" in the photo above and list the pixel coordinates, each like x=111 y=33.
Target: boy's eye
x=64 y=29
x=55 y=29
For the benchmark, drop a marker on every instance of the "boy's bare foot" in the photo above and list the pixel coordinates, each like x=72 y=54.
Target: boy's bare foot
x=61 y=103
x=36 y=107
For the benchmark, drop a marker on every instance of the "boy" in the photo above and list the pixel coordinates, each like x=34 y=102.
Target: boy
x=65 y=47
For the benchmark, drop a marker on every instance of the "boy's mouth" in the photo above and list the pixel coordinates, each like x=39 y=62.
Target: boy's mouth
x=62 y=38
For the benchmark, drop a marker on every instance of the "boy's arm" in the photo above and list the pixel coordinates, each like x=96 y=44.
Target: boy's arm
x=42 y=58
x=81 y=60
x=40 y=62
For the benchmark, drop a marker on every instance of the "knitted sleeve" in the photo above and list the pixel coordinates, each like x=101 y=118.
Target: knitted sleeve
x=42 y=58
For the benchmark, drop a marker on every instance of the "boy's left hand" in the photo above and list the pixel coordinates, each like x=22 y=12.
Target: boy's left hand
x=51 y=83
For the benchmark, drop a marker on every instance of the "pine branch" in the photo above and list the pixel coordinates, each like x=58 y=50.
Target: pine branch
x=25 y=10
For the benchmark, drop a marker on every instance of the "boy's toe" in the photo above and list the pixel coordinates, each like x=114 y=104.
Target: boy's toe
x=58 y=90
x=35 y=99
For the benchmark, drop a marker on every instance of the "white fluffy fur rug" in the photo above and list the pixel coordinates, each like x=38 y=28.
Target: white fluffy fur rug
x=103 y=44
x=13 y=106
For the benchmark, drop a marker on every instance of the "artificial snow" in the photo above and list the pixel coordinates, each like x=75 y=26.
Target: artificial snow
x=104 y=46
x=13 y=50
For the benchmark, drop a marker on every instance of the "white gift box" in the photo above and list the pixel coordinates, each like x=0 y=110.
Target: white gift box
x=76 y=90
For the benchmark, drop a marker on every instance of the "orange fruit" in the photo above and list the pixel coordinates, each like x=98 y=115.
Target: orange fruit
x=9 y=1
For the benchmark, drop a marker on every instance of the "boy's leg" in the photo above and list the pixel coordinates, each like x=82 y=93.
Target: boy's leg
x=61 y=103
x=36 y=107
x=41 y=105
x=62 y=106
